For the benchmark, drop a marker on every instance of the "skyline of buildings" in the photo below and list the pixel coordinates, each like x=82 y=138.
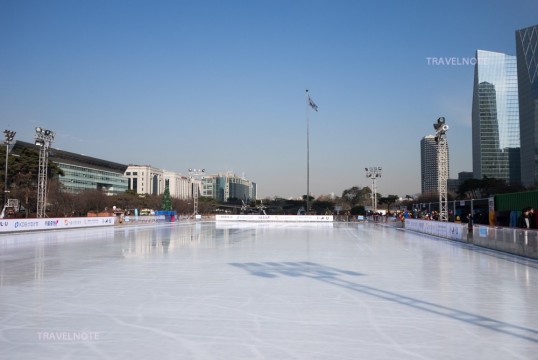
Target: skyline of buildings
x=504 y=137
x=504 y=117
x=83 y=172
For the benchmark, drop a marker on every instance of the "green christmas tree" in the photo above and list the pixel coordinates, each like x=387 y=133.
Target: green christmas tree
x=167 y=201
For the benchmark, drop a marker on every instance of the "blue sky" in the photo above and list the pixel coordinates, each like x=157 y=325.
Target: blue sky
x=221 y=85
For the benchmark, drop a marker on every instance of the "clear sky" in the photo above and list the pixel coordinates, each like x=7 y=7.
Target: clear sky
x=221 y=84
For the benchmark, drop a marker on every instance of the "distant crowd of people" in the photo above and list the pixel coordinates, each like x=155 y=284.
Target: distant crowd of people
x=527 y=218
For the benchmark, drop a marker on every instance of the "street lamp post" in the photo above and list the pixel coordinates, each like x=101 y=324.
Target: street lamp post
x=10 y=135
x=373 y=173
x=195 y=175
x=43 y=139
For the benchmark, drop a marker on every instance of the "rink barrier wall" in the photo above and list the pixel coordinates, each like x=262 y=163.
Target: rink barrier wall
x=276 y=218
x=522 y=242
x=144 y=219
x=20 y=225
x=517 y=241
x=447 y=230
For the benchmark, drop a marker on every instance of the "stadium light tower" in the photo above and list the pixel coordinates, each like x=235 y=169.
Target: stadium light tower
x=373 y=173
x=10 y=135
x=43 y=139
x=442 y=166
x=195 y=175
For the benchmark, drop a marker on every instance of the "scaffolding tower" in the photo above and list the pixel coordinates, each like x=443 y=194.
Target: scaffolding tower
x=442 y=166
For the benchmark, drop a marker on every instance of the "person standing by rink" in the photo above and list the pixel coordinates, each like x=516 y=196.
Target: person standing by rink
x=532 y=218
x=524 y=221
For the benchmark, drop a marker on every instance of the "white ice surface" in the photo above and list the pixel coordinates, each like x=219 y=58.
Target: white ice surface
x=267 y=291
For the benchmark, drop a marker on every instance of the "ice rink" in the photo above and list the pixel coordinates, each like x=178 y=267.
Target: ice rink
x=262 y=291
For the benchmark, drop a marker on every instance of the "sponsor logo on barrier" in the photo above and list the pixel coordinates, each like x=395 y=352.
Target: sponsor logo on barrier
x=71 y=222
x=91 y=221
x=4 y=223
x=26 y=224
x=51 y=222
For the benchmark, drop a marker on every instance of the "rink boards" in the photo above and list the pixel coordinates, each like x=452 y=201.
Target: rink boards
x=18 y=225
x=276 y=218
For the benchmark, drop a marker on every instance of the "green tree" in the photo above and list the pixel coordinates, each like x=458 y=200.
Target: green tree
x=22 y=176
x=389 y=200
x=482 y=188
x=322 y=207
x=358 y=210
x=356 y=196
x=167 y=201
x=207 y=205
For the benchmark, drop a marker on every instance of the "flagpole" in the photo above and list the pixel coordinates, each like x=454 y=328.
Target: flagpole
x=307 y=153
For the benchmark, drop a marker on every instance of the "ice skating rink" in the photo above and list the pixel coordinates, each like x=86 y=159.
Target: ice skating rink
x=262 y=291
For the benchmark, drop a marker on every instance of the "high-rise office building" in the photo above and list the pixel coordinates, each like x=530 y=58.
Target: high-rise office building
x=495 y=117
x=527 y=72
x=428 y=165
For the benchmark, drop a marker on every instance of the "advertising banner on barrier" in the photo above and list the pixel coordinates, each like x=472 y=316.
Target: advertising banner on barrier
x=16 y=225
x=279 y=218
x=447 y=230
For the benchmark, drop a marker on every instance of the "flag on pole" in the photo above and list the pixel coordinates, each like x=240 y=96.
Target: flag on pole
x=312 y=103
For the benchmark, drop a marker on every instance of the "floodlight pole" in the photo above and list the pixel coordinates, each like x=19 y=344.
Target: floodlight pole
x=309 y=104
x=10 y=135
x=43 y=139
x=307 y=154
x=195 y=175
x=373 y=173
x=442 y=166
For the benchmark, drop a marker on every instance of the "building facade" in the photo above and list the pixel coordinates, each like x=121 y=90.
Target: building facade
x=495 y=118
x=428 y=165
x=84 y=172
x=225 y=186
x=527 y=71
x=146 y=179
x=178 y=185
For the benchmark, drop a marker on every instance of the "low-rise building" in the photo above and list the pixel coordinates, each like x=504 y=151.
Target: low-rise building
x=83 y=172
x=146 y=179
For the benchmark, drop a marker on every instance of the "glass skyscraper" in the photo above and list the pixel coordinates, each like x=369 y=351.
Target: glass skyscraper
x=495 y=117
x=527 y=68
